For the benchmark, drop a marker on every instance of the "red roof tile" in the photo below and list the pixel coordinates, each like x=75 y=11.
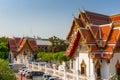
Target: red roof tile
x=115 y=18
x=109 y=48
x=87 y=35
x=100 y=39
x=105 y=31
x=72 y=47
x=95 y=18
x=16 y=44
x=33 y=44
x=12 y=45
x=114 y=36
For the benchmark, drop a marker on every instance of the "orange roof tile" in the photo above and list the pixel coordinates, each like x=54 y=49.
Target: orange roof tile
x=105 y=31
x=87 y=35
x=109 y=48
x=22 y=44
x=101 y=39
x=114 y=36
x=115 y=18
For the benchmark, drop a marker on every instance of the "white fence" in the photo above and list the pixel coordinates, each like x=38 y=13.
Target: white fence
x=62 y=74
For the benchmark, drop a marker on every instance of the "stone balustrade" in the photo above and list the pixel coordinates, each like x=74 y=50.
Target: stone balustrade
x=62 y=74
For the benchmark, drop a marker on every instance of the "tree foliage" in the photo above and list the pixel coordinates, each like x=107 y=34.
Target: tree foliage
x=3 y=48
x=57 y=44
x=59 y=56
x=5 y=72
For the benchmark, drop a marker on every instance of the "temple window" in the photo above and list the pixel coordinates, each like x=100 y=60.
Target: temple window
x=97 y=69
x=117 y=68
x=83 y=68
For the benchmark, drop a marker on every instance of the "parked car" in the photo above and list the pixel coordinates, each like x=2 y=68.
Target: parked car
x=11 y=65
x=46 y=76
x=37 y=73
x=25 y=71
x=21 y=71
x=52 y=78
x=30 y=74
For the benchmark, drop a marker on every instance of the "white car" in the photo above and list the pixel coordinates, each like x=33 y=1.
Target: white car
x=52 y=78
x=21 y=71
x=24 y=72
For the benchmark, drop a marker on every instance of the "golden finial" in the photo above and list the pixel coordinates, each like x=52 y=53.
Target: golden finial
x=73 y=16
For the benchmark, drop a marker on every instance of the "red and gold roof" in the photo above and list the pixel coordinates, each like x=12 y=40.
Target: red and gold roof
x=16 y=44
x=101 y=38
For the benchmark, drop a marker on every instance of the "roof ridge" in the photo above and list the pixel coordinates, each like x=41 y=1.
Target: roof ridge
x=96 y=13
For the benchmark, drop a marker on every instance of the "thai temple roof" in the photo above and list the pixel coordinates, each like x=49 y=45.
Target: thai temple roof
x=100 y=33
x=16 y=44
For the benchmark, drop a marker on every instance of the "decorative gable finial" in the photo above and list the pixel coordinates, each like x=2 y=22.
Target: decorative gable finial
x=73 y=16
x=79 y=10
x=83 y=9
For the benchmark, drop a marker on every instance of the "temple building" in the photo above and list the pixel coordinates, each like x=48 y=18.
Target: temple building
x=43 y=44
x=22 y=50
x=94 y=44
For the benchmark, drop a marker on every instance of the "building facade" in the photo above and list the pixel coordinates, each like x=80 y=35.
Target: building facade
x=22 y=50
x=94 y=44
x=43 y=44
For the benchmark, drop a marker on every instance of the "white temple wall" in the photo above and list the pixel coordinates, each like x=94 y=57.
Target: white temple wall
x=113 y=62
x=105 y=68
x=89 y=63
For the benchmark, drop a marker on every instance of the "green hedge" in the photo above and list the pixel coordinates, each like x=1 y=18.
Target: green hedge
x=48 y=56
x=5 y=72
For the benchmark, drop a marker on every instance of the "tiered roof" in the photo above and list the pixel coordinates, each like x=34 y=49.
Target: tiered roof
x=100 y=33
x=16 y=44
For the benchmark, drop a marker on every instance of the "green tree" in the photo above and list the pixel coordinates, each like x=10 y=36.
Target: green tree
x=58 y=56
x=5 y=72
x=57 y=44
x=4 y=48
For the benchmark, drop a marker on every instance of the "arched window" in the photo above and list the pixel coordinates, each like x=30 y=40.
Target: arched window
x=97 y=69
x=83 y=68
x=117 y=68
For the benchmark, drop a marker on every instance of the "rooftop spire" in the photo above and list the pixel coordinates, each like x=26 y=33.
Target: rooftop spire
x=73 y=16
x=79 y=10
x=83 y=9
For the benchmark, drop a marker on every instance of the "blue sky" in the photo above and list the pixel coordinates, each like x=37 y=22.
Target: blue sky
x=47 y=18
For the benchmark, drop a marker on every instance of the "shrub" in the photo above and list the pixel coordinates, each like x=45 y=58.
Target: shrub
x=5 y=72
